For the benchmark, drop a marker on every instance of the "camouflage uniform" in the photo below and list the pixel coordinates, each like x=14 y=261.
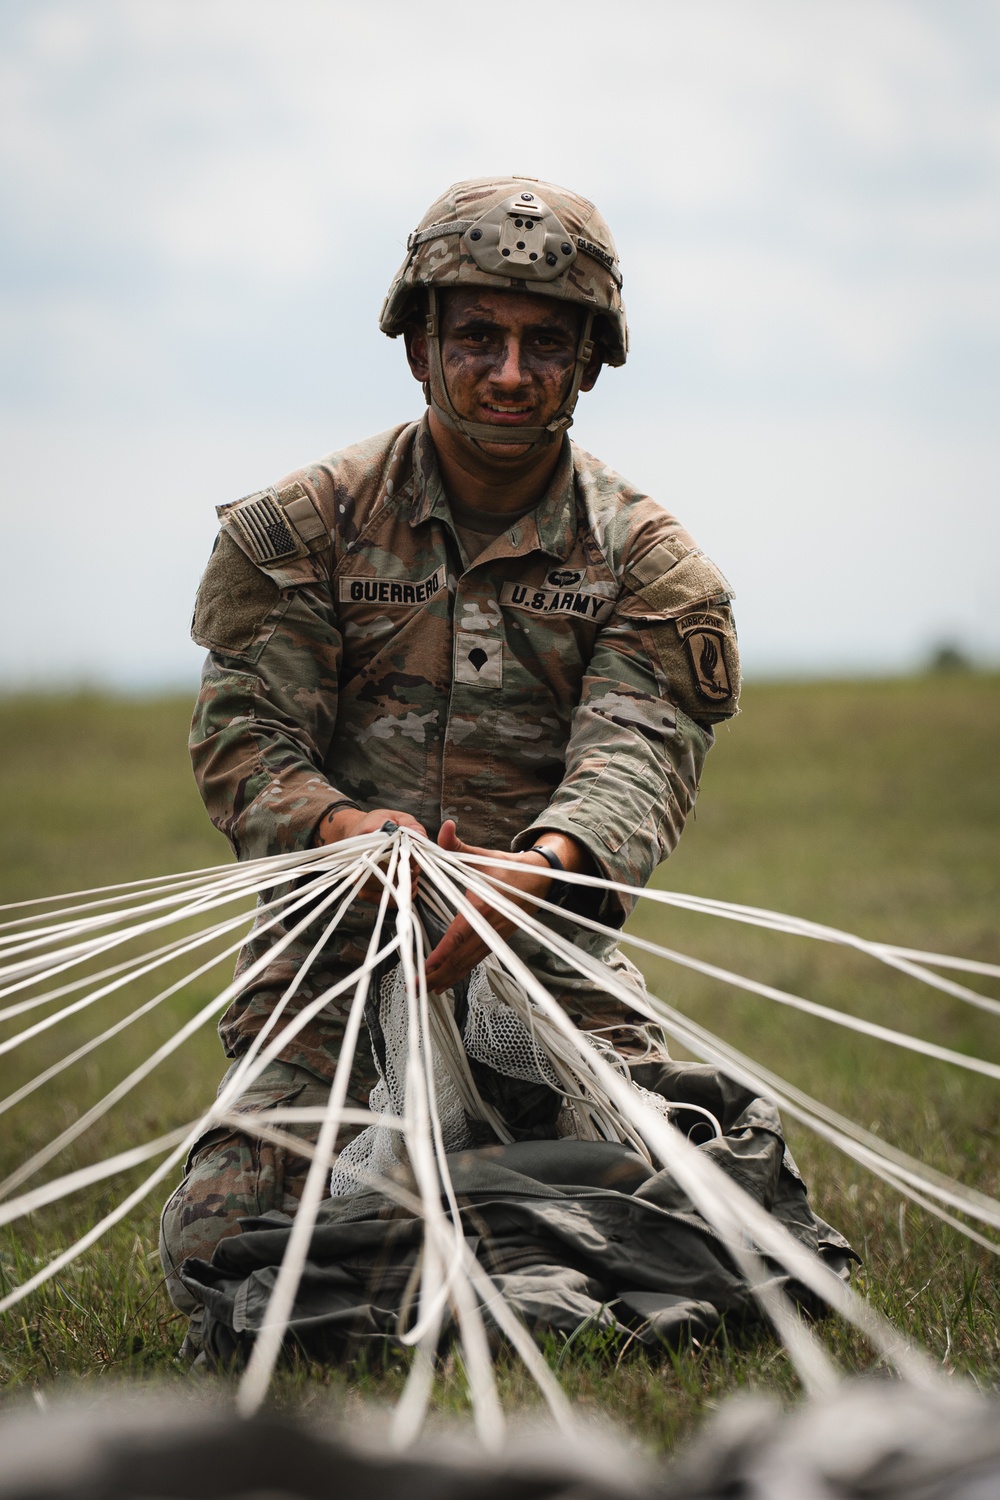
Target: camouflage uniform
x=565 y=679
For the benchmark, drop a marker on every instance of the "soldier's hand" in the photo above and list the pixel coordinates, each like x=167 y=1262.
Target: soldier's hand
x=348 y=822
x=461 y=948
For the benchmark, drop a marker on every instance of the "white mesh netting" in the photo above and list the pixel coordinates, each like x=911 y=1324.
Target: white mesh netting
x=498 y=1032
x=493 y=1034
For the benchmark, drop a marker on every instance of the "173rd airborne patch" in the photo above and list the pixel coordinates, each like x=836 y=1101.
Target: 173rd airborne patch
x=703 y=636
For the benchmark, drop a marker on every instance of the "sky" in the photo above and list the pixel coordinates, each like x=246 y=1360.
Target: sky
x=202 y=204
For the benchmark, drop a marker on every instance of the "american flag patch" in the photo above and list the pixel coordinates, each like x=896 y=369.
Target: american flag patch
x=264 y=528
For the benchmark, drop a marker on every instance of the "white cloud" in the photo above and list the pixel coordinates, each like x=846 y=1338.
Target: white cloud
x=204 y=204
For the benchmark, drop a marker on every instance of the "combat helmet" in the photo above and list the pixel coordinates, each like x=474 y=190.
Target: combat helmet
x=519 y=234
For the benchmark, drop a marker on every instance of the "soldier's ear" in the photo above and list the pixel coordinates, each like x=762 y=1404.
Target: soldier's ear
x=595 y=365
x=415 y=338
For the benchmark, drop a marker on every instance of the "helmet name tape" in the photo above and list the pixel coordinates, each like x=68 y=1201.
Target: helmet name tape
x=520 y=237
x=602 y=255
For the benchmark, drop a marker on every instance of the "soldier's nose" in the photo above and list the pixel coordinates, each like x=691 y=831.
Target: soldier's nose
x=508 y=372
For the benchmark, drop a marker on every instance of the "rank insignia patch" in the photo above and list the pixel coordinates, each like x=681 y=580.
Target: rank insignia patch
x=478 y=659
x=708 y=661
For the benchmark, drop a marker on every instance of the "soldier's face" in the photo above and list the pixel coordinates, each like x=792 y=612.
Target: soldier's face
x=508 y=357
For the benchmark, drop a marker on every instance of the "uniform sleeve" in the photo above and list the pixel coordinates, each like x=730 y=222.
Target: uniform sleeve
x=664 y=670
x=268 y=702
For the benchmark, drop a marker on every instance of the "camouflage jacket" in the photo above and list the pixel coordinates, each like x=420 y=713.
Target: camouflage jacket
x=567 y=680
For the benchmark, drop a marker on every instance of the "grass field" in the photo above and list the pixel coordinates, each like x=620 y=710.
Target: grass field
x=869 y=805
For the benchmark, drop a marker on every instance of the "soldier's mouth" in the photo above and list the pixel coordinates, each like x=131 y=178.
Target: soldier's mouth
x=507 y=412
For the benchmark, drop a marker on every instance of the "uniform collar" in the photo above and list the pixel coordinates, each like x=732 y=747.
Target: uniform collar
x=550 y=527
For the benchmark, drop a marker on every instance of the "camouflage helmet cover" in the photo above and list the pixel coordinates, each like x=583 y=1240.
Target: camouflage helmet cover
x=479 y=231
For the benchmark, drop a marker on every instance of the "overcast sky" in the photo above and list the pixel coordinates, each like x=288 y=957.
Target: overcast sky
x=203 y=203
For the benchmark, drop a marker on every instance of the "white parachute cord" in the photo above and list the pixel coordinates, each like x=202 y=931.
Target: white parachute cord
x=49 y=965
x=217 y=877
x=705 y=1183
x=912 y=961
x=884 y=953
x=94 y=923
x=942 y=960
x=777 y=921
x=220 y=1106
x=176 y=948
x=126 y=966
x=489 y=1294
x=770 y=992
x=724 y=1205
x=93 y=947
x=110 y=1032
x=84 y=1177
x=487 y=1411
x=149 y=1005
x=267 y=1345
x=195 y=877
x=431 y=1177
x=147 y=964
x=929 y=1204
x=175 y=908
x=870 y=1152
x=47 y=1152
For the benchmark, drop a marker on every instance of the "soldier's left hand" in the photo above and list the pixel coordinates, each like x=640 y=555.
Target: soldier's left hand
x=461 y=948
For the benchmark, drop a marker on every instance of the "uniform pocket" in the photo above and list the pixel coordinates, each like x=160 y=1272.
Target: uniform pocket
x=619 y=800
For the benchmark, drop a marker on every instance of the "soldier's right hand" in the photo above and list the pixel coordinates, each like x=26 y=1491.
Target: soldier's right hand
x=348 y=822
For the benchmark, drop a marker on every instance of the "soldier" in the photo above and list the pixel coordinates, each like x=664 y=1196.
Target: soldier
x=466 y=621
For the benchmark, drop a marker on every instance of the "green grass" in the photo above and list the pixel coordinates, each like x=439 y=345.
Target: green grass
x=869 y=805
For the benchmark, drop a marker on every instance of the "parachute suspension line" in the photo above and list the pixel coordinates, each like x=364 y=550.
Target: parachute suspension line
x=755 y=916
x=425 y=1148
x=866 y=1148
x=81 y=952
x=217 y=1111
x=73 y=1131
x=257 y=1377
x=700 y=1178
x=770 y=1236
x=47 y=937
x=155 y=884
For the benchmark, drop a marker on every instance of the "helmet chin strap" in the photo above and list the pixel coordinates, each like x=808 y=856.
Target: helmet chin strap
x=477 y=433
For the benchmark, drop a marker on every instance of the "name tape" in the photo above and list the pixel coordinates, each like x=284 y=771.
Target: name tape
x=391 y=590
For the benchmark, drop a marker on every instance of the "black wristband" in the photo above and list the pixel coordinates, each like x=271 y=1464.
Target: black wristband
x=559 y=890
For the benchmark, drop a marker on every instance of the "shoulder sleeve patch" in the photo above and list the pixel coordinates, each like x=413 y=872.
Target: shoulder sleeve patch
x=700 y=659
x=234 y=600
